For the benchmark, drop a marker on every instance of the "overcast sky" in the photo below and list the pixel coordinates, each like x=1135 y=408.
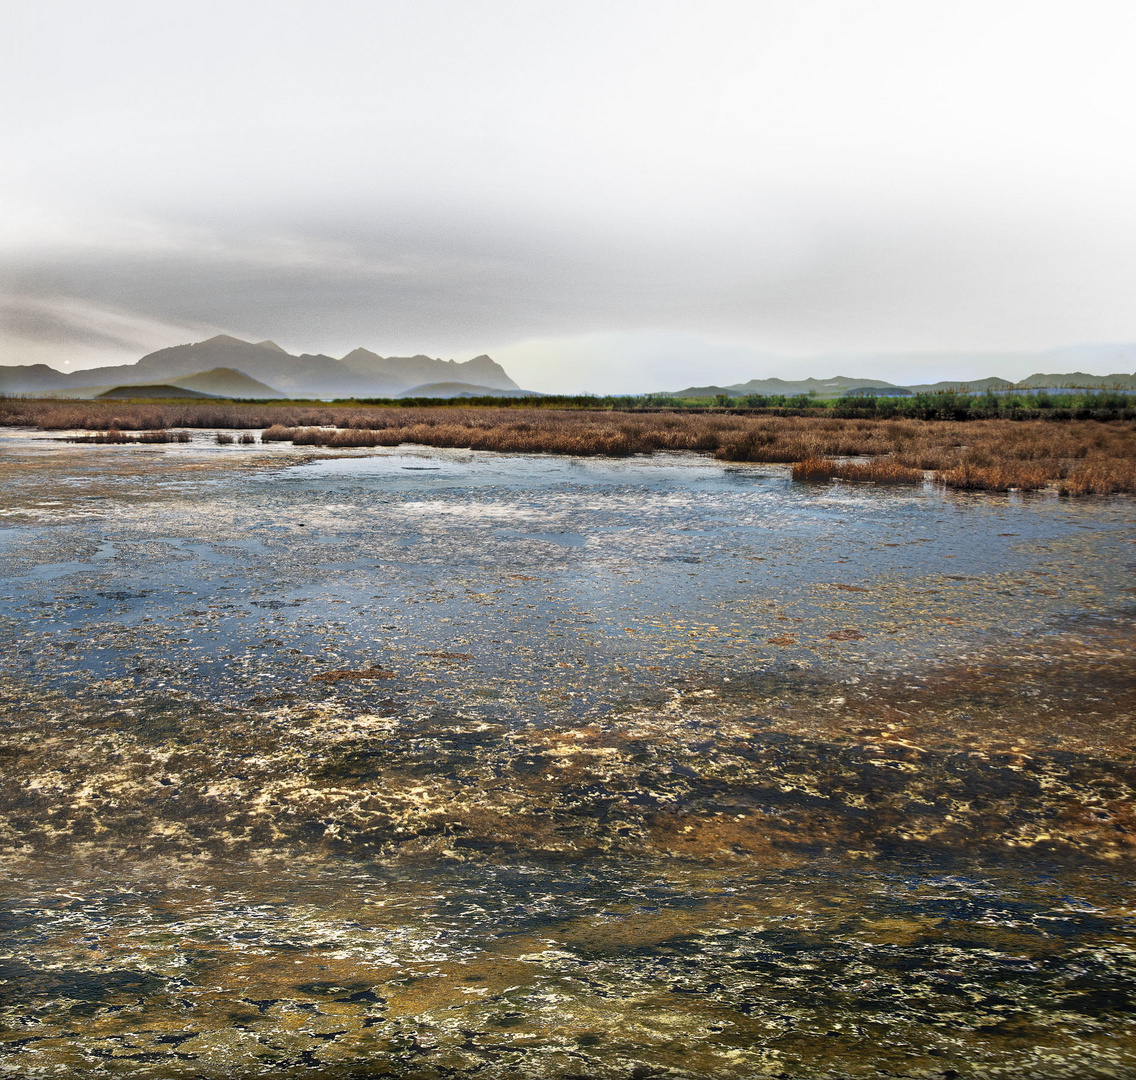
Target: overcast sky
x=601 y=194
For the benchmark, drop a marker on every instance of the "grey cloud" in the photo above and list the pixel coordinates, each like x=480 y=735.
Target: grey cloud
x=461 y=283
x=458 y=177
x=60 y=330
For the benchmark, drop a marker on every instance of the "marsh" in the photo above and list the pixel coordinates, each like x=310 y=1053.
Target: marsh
x=437 y=762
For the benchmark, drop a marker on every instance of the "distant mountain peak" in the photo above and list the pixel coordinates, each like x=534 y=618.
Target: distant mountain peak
x=271 y=345
x=404 y=372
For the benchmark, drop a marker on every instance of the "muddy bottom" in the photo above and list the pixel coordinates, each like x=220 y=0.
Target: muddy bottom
x=449 y=765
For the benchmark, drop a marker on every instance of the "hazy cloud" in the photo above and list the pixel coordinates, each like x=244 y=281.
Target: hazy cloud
x=461 y=177
x=68 y=332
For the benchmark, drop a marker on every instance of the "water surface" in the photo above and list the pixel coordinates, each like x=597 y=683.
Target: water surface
x=440 y=763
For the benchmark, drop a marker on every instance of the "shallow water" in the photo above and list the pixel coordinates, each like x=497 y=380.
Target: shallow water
x=441 y=763
x=602 y=564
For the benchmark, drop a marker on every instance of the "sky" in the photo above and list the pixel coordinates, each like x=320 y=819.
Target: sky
x=606 y=196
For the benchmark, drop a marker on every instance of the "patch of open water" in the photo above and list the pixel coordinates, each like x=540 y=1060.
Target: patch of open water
x=595 y=564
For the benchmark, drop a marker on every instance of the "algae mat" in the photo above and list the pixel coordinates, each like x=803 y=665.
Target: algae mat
x=436 y=764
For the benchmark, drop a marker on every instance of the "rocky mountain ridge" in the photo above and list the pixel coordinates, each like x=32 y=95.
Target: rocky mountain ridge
x=361 y=373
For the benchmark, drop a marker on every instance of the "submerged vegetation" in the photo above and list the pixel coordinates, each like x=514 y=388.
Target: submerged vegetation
x=1071 y=456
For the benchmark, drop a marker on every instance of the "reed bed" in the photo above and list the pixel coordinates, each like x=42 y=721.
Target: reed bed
x=113 y=435
x=1073 y=457
x=882 y=471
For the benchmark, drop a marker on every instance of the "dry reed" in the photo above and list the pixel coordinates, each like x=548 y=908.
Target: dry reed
x=1074 y=457
x=883 y=471
x=113 y=435
x=1005 y=476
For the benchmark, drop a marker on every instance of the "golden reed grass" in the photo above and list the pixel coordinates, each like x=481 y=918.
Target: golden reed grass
x=1073 y=457
x=880 y=471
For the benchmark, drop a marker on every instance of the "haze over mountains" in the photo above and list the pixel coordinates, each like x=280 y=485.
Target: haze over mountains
x=225 y=366
x=216 y=364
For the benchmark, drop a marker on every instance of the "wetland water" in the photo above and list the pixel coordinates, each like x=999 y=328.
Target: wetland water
x=431 y=763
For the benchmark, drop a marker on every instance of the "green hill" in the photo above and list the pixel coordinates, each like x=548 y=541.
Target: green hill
x=225 y=382
x=460 y=389
x=149 y=390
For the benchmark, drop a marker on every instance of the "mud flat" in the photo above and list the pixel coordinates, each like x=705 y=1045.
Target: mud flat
x=447 y=764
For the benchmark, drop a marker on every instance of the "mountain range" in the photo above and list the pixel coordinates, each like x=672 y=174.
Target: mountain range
x=225 y=366
x=271 y=372
x=842 y=384
x=1063 y=366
